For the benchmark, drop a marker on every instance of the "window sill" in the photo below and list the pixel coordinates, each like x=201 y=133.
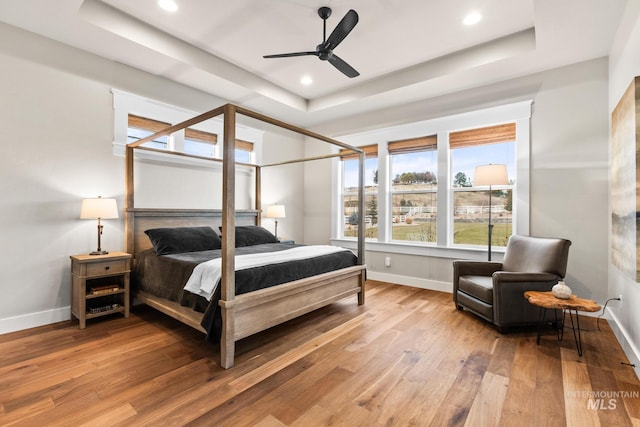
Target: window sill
x=469 y=253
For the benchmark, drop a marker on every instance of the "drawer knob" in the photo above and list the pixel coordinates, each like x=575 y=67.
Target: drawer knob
x=107 y=267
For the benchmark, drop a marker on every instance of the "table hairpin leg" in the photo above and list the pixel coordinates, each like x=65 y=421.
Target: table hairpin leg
x=577 y=337
x=559 y=326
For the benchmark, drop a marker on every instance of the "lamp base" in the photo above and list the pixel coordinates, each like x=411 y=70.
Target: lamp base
x=98 y=253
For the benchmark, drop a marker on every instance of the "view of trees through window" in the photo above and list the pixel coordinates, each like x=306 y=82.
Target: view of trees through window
x=471 y=204
x=412 y=189
x=350 y=197
x=414 y=197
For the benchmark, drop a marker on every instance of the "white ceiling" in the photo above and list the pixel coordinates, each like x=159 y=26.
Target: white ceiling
x=405 y=50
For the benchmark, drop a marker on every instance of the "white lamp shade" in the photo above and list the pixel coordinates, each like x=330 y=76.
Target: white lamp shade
x=275 y=211
x=490 y=175
x=99 y=208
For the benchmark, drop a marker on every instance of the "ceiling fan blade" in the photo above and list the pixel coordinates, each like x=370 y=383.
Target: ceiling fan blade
x=287 y=55
x=341 y=31
x=345 y=68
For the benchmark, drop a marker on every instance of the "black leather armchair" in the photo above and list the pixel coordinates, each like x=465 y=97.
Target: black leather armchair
x=495 y=291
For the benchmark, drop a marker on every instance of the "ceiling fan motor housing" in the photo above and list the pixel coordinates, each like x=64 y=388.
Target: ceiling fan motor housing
x=324 y=12
x=324 y=54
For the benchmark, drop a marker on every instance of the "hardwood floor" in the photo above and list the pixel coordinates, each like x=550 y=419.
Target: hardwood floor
x=407 y=357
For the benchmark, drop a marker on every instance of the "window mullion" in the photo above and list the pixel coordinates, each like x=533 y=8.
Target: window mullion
x=176 y=141
x=444 y=219
x=384 y=225
x=520 y=195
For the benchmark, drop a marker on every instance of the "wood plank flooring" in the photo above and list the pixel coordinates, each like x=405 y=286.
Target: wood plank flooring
x=405 y=358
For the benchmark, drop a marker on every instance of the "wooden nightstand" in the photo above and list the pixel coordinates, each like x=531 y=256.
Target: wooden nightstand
x=99 y=285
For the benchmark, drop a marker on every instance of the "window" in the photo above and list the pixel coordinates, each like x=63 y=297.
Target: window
x=200 y=143
x=189 y=141
x=142 y=127
x=192 y=141
x=244 y=151
x=136 y=117
x=413 y=171
x=424 y=183
x=470 y=148
x=350 y=192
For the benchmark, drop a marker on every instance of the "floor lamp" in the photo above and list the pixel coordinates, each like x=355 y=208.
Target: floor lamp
x=490 y=175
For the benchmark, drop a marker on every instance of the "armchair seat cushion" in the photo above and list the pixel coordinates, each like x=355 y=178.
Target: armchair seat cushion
x=476 y=306
x=480 y=287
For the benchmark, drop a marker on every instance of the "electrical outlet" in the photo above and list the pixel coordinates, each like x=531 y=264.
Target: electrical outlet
x=387 y=261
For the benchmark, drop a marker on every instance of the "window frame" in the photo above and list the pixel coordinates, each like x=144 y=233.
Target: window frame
x=371 y=152
x=518 y=113
x=497 y=133
x=391 y=151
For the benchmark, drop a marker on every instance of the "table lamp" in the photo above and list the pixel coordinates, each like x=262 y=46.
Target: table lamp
x=99 y=209
x=275 y=211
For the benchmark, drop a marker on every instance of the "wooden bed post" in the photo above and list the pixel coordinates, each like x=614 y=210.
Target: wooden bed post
x=128 y=202
x=361 y=230
x=227 y=340
x=258 y=172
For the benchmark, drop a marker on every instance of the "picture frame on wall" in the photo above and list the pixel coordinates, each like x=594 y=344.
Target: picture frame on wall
x=625 y=182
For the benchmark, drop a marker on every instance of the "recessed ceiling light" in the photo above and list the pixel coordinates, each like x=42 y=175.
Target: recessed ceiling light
x=168 y=5
x=472 y=18
x=306 y=80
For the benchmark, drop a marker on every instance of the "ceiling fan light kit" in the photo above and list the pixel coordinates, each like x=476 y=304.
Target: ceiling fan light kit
x=324 y=50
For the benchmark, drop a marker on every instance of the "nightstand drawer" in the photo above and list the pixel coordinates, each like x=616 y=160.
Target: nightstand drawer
x=106 y=267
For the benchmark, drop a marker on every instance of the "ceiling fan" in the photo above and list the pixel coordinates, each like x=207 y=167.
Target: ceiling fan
x=324 y=50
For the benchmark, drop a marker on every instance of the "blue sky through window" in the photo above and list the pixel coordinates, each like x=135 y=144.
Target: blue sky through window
x=466 y=159
x=351 y=172
x=462 y=160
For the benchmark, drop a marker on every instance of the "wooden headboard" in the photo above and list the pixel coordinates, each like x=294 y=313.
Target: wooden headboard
x=139 y=220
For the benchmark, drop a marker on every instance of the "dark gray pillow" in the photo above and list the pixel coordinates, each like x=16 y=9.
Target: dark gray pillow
x=249 y=235
x=183 y=239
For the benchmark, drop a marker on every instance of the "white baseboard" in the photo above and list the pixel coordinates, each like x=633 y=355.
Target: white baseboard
x=627 y=345
x=416 y=282
x=31 y=320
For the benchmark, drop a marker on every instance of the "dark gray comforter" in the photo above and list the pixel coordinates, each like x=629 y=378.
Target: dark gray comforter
x=166 y=275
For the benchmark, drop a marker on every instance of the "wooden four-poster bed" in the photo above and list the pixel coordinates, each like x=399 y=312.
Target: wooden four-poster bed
x=249 y=312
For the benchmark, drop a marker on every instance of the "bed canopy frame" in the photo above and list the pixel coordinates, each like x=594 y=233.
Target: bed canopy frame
x=246 y=314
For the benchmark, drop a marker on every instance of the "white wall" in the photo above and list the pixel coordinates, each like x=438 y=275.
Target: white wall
x=569 y=170
x=624 y=66
x=56 y=125
x=317 y=195
x=283 y=184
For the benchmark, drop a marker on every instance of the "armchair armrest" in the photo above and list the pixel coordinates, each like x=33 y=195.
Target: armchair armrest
x=471 y=268
x=510 y=307
x=512 y=276
x=475 y=268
